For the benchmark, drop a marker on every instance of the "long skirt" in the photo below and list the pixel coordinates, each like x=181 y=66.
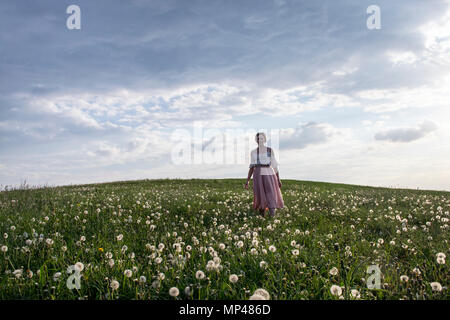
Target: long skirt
x=266 y=192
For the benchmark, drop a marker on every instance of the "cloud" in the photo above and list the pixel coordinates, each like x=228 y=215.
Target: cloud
x=406 y=134
x=305 y=134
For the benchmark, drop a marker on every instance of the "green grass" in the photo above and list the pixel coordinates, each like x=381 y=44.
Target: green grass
x=326 y=220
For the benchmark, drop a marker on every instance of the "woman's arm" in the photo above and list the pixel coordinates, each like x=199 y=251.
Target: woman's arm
x=274 y=164
x=279 y=181
x=250 y=173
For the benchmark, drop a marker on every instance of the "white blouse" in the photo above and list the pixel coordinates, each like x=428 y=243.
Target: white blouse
x=264 y=159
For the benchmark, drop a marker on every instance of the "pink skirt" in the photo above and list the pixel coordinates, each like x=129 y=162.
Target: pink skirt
x=266 y=192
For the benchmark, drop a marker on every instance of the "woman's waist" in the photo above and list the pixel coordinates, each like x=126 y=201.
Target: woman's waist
x=260 y=165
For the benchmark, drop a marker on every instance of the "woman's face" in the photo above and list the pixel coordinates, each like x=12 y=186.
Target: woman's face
x=260 y=139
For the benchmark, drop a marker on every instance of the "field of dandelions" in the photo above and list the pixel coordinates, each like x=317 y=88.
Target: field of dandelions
x=200 y=239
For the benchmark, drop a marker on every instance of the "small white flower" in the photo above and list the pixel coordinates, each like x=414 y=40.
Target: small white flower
x=416 y=271
x=256 y=297
x=18 y=273
x=334 y=271
x=199 y=275
x=336 y=290
x=174 y=292
x=128 y=273
x=404 y=278
x=272 y=248
x=263 y=293
x=4 y=248
x=233 y=278
x=114 y=284
x=436 y=286
x=120 y=237
x=80 y=266
x=142 y=279
x=355 y=294
x=56 y=276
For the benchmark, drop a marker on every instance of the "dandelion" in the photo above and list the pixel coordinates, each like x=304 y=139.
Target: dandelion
x=56 y=276
x=49 y=241
x=174 y=292
x=355 y=294
x=404 y=278
x=295 y=252
x=272 y=248
x=18 y=273
x=256 y=297
x=111 y=263
x=263 y=264
x=199 y=275
x=416 y=271
x=233 y=278
x=4 y=248
x=80 y=266
x=142 y=279
x=120 y=237
x=336 y=290
x=436 y=286
x=187 y=291
x=128 y=273
x=114 y=284
x=334 y=271
x=156 y=284
x=263 y=293
x=440 y=258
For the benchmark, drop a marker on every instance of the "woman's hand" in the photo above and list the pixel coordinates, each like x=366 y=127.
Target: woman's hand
x=246 y=185
x=279 y=183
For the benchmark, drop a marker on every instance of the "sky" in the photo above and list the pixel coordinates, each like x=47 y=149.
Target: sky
x=115 y=99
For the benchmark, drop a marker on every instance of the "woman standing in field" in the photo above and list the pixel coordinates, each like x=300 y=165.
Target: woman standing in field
x=266 y=180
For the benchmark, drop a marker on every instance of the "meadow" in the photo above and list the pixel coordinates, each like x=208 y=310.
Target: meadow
x=201 y=239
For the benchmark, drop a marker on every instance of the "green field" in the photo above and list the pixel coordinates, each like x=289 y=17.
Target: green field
x=209 y=226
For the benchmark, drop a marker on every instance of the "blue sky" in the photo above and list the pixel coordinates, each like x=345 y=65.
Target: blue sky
x=102 y=103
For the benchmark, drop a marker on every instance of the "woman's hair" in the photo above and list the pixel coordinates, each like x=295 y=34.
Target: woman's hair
x=260 y=133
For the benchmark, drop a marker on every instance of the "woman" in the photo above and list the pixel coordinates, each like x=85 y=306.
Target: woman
x=266 y=180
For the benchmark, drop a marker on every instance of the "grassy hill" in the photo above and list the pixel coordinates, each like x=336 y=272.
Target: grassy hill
x=149 y=236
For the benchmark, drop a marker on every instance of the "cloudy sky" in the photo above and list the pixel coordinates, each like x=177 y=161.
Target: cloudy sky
x=110 y=101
